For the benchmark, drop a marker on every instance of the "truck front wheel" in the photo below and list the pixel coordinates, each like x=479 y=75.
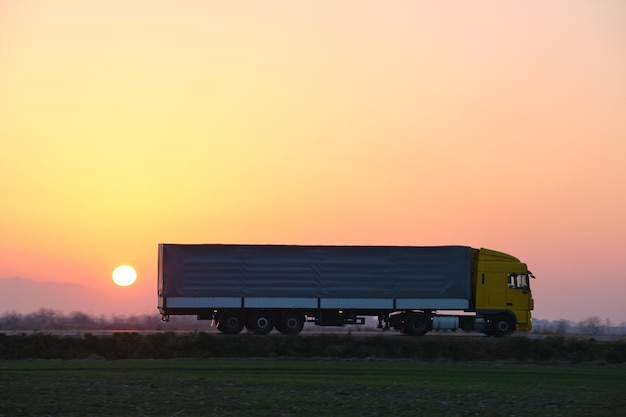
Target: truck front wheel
x=231 y=322
x=502 y=325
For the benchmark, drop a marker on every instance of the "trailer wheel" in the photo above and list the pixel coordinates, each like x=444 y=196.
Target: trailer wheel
x=503 y=325
x=231 y=322
x=261 y=322
x=290 y=322
x=416 y=324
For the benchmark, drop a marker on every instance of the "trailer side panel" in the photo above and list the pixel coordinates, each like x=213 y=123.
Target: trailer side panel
x=303 y=274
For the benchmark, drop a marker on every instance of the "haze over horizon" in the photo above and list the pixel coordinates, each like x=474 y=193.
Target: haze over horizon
x=496 y=125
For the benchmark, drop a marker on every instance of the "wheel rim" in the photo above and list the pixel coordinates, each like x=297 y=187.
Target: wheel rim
x=503 y=325
x=262 y=323
x=291 y=323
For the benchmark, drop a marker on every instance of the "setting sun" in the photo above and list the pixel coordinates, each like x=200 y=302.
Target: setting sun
x=124 y=275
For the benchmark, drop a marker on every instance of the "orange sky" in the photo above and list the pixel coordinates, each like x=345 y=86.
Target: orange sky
x=499 y=125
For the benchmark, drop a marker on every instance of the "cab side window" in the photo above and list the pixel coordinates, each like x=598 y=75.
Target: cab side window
x=518 y=281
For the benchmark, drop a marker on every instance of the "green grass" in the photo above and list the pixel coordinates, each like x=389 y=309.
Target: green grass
x=307 y=388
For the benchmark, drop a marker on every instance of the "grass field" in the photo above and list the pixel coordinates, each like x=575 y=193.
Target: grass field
x=307 y=388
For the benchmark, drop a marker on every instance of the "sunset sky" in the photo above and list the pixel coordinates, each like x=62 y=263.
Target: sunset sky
x=493 y=124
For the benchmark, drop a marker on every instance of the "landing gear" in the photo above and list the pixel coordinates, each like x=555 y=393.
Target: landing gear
x=383 y=318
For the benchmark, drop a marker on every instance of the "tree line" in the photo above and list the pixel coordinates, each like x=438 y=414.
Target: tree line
x=49 y=319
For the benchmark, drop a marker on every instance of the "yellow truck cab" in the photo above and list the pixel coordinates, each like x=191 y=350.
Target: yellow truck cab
x=502 y=288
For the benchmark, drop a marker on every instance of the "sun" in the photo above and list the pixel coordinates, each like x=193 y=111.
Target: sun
x=124 y=275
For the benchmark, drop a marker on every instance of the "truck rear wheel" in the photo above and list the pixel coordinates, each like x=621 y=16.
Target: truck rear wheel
x=416 y=324
x=261 y=322
x=290 y=322
x=231 y=322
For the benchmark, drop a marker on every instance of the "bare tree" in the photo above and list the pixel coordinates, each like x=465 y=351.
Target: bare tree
x=11 y=321
x=592 y=325
x=562 y=327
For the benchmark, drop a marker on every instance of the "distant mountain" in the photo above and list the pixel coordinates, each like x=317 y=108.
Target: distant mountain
x=25 y=296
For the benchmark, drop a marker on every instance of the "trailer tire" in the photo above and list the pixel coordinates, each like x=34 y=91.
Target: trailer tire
x=502 y=325
x=416 y=324
x=231 y=322
x=261 y=322
x=290 y=322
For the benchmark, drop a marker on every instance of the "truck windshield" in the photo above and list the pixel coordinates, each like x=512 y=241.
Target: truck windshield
x=518 y=281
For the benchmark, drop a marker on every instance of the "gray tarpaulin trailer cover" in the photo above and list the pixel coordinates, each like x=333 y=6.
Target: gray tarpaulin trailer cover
x=291 y=276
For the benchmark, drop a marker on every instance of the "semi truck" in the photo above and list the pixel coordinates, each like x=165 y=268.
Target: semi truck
x=410 y=289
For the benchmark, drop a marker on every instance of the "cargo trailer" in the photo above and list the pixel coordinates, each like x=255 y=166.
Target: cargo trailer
x=411 y=289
